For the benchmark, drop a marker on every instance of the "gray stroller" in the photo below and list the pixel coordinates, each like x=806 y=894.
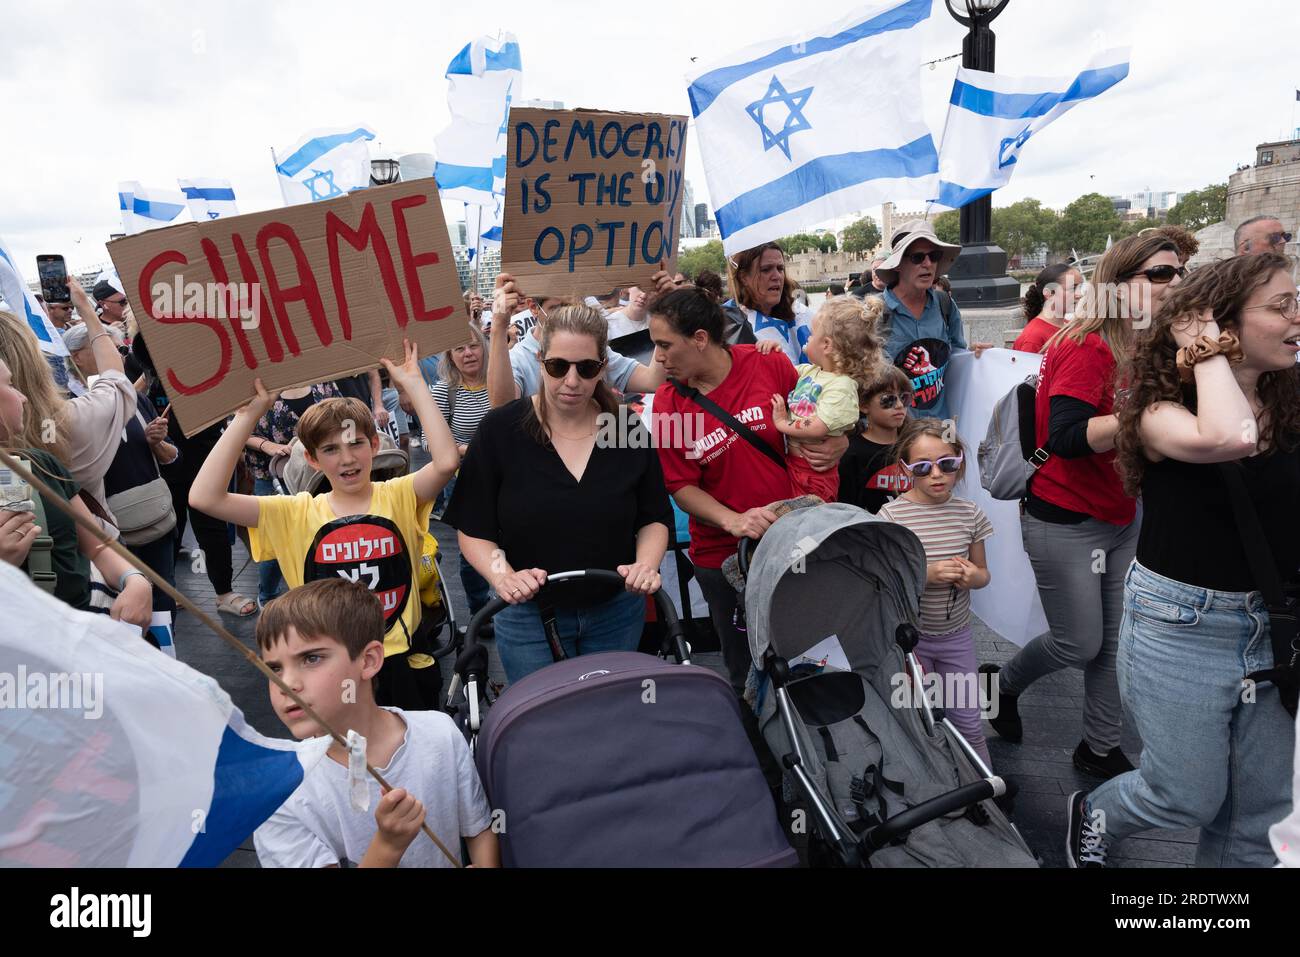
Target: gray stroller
x=884 y=779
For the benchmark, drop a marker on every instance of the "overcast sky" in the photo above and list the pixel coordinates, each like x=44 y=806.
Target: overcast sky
x=96 y=93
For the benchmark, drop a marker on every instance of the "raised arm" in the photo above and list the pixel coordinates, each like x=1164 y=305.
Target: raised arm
x=209 y=492
x=500 y=376
x=102 y=346
x=431 y=479
x=1224 y=427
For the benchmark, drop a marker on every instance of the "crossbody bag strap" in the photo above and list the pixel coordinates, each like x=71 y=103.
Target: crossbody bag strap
x=729 y=420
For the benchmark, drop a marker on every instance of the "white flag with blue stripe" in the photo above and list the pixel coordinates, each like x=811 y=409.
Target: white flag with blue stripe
x=209 y=198
x=483 y=226
x=146 y=208
x=324 y=164
x=991 y=117
x=118 y=756
x=21 y=301
x=800 y=130
x=483 y=79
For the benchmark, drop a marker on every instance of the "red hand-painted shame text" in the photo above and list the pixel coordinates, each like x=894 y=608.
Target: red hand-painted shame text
x=306 y=290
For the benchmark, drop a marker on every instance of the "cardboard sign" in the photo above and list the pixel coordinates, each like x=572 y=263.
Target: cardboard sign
x=593 y=200
x=292 y=296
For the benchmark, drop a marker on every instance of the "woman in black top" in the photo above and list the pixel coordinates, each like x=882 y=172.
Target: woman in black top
x=560 y=481
x=1214 y=405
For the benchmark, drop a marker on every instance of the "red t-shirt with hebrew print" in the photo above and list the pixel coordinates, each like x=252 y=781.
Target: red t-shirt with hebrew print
x=697 y=449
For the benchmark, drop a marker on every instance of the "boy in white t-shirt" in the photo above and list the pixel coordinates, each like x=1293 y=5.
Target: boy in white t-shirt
x=325 y=640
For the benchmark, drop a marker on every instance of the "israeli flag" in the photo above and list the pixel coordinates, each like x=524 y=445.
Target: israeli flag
x=483 y=79
x=791 y=135
x=325 y=164
x=991 y=117
x=147 y=208
x=483 y=226
x=209 y=198
x=121 y=756
x=21 y=301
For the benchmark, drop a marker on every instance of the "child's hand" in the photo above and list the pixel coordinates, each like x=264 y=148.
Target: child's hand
x=262 y=402
x=398 y=817
x=947 y=571
x=766 y=346
x=969 y=572
x=779 y=411
x=407 y=375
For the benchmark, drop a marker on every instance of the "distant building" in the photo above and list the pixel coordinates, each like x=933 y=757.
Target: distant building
x=688 y=210
x=892 y=218
x=457 y=231
x=701 y=219
x=1269 y=188
x=489 y=266
x=817 y=267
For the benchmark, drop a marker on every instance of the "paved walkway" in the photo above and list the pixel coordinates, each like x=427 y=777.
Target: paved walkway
x=1051 y=709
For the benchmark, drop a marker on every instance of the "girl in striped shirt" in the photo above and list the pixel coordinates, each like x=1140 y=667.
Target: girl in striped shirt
x=952 y=530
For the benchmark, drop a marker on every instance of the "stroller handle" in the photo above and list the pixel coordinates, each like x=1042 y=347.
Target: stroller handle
x=745 y=554
x=674 y=640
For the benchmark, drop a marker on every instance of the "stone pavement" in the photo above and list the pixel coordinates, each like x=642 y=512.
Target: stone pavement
x=1051 y=709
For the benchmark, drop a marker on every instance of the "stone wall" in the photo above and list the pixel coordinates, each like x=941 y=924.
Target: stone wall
x=1265 y=191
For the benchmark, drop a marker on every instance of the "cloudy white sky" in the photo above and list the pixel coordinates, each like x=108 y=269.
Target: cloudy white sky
x=95 y=93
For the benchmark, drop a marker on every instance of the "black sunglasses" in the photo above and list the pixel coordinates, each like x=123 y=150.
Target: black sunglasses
x=1161 y=274
x=1275 y=238
x=890 y=399
x=917 y=258
x=559 y=368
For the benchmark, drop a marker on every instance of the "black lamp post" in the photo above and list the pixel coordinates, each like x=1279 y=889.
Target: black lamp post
x=979 y=276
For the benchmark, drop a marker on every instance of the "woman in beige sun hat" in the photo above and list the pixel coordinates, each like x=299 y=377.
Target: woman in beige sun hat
x=921 y=325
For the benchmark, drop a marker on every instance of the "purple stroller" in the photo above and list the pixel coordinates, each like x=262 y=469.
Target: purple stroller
x=619 y=759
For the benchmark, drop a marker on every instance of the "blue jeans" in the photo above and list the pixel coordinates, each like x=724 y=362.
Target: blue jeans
x=1209 y=758
x=614 y=625
x=269 y=580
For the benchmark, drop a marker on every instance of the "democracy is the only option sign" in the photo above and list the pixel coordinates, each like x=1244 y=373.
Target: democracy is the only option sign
x=593 y=200
x=292 y=296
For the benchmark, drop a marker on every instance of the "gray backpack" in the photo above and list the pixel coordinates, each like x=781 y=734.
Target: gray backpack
x=1009 y=455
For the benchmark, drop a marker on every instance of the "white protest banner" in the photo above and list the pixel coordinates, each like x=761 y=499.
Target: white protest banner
x=1010 y=604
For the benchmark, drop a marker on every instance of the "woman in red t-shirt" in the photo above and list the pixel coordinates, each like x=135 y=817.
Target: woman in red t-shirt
x=1048 y=304
x=719 y=478
x=1077 y=522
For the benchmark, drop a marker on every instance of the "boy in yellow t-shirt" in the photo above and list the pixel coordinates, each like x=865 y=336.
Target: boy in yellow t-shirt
x=368 y=532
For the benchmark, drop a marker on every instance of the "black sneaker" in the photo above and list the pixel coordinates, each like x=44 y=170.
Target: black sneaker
x=1007 y=723
x=1084 y=844
x=1113 y=764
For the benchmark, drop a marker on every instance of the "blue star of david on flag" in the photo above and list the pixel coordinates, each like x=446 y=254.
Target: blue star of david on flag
x=327 y=176
x=1009 y=149
x=795 y=121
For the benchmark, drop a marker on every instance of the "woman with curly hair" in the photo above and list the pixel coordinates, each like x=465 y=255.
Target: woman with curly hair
x=1077 y=522
x=1214 y=405
x=842 y=354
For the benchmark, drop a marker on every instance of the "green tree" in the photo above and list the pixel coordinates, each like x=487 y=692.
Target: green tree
x=947 y=226
x=1201 y=207
x=803 y=242
x=862 y=236
x=1022 y=227
x=692 y=262
x=1085 y=224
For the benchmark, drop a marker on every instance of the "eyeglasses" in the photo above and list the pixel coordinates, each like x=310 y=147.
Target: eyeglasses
x=890 y=399
x=559 y=368
x=947 y=465
x=1276 y=239
x=1289 y=307
x=1161 y=274
x=917 y=258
